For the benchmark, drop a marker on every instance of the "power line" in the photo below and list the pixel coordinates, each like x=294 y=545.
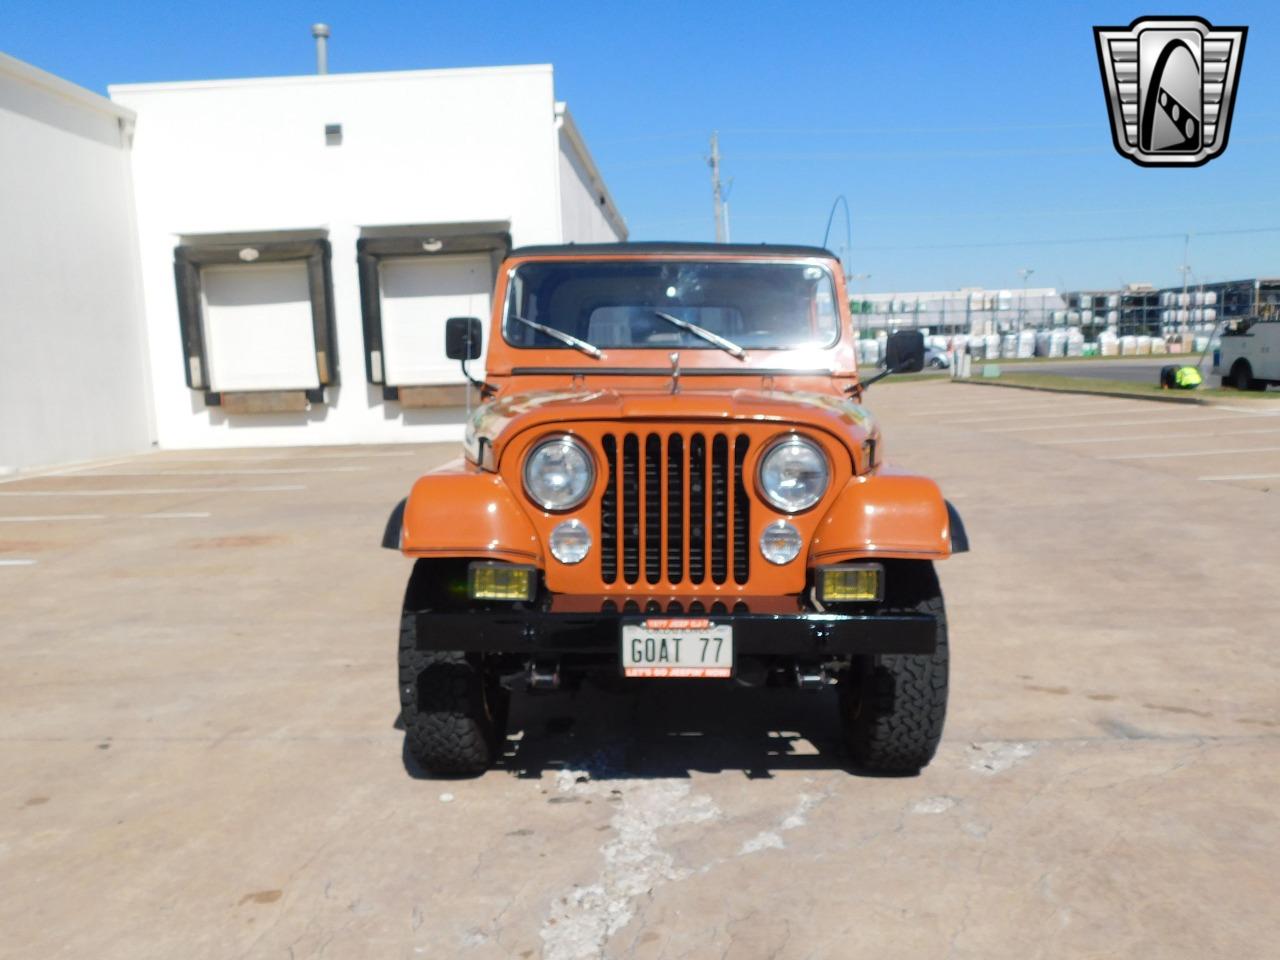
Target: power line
x=1042 y=242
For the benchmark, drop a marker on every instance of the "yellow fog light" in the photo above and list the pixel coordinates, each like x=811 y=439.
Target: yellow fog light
x=501 y=581
x=851 y=582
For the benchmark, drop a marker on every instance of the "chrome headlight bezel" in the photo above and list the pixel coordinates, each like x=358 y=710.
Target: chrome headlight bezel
x=792 y=442
x=542 y=497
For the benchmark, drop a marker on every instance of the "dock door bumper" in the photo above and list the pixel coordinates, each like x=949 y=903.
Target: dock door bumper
x=754 y=634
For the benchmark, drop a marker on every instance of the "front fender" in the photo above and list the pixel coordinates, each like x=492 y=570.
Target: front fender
x=460 y=511
x=883 y=515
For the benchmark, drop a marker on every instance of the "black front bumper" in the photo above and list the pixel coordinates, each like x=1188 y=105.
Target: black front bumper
x=802 y=634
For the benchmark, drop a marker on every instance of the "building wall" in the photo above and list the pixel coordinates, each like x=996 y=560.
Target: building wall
x=73 y=370
x=229 y=158
x=970 y=310
x=587 y=212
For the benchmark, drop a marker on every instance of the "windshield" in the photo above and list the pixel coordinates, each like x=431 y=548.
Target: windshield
x=629 y=304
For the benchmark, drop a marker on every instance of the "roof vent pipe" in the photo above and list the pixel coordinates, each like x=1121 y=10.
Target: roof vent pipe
x=321 y=32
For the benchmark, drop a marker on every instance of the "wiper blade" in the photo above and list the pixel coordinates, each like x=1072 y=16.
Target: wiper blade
x=590 y=349
x=728 y=346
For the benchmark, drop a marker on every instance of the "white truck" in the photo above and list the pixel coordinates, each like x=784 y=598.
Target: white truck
x=1248 y=355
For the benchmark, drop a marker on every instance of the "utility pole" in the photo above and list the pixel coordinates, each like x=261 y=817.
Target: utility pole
x=714 y=163
x=1185 y=269
x=1023 y=272
x=863 y=322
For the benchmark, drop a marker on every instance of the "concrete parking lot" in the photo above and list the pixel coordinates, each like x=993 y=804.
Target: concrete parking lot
x=199 y=755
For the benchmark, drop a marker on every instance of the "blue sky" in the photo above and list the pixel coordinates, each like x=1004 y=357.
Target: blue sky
x=970 y=139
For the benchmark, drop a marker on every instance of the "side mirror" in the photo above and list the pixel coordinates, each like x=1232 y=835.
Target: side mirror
x=462 y=338
x=904 y=352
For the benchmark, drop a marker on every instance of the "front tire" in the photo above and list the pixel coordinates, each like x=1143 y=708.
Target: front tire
x=453 y=710
x=1242 y=377
x=894 y=706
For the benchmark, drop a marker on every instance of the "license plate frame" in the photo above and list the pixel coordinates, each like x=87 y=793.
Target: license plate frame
x=677 y=648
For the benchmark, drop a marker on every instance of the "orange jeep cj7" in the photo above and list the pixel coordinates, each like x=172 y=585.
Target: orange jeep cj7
x=671 y=478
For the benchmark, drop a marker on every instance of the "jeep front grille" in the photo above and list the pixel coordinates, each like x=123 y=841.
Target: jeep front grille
x=675 y=509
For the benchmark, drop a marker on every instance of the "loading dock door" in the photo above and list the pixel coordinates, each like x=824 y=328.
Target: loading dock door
x=418 y=294
x=258 y=327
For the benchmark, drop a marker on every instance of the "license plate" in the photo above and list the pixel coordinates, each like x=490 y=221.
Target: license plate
x=677 y=648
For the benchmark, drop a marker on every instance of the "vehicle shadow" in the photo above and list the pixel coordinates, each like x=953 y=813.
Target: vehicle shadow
x=669 y=730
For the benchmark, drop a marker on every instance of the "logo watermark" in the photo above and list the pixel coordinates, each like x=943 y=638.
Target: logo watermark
x=1170 y=84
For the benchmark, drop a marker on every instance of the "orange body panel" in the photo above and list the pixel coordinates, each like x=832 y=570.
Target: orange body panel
x=462 y=511
x=479 y=509
x=884 y=516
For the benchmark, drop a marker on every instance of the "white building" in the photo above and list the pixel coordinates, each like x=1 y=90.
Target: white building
x=968 y=310
x=270 y=261
x=73 y=367
x=303 y=240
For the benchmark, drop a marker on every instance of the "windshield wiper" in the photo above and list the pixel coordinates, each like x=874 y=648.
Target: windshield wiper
x=728 y=346
x=590 y=349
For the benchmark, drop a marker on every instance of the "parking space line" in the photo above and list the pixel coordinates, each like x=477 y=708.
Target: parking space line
x=1162 y=436
x=1114 y=423
x=54 y=518
x=240 y=455
x=63 y=471
x=265 y=471
x=70 y=517
x=161 y=491
x=1060 y=415
x=975 y=407
x=1188 y=453
x=1242 y=476
x=17 y=563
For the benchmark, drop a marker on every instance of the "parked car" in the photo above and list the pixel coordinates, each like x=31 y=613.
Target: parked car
x=672 y=479
x=936 y=359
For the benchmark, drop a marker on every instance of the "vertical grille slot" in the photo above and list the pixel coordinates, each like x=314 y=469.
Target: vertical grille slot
x=719 y=508
x=653 y=508
x=630 y=508
x=697 y=508
x=675 y=508
x=741 y=515
x=609 y=513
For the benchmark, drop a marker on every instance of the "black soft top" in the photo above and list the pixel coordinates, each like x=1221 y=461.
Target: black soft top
x=675 y=249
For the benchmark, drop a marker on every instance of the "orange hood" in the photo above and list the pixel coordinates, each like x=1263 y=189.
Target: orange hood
x=494 y=424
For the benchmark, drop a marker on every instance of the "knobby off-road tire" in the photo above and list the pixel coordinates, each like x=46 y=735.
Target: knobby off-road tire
x=894 y=706
x=454 y=712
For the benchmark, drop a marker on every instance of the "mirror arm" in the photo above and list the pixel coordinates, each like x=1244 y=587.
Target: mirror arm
x=470 y=379
x=878 y=377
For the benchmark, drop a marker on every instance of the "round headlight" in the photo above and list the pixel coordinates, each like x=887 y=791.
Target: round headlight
x=793 y=474
x=570 y=541
x=559 y=473
x=780 y=542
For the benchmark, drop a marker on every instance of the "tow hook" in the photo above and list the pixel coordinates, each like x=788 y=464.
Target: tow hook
x=810 y=676
x=544 y=675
